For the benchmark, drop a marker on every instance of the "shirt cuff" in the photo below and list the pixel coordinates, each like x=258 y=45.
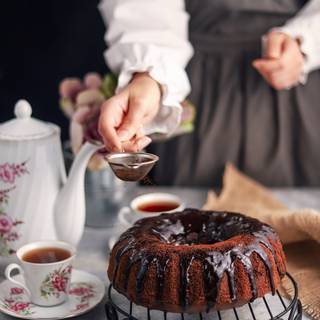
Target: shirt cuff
x=171 y=77
x=307 y=47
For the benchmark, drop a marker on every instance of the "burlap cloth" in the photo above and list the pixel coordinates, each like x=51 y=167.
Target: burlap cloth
x=299 y=230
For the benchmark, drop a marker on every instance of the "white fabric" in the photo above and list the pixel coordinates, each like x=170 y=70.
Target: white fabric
x=152 y=36
x=305 y=26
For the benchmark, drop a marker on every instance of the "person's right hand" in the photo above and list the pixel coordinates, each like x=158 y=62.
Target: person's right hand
x=123 y=115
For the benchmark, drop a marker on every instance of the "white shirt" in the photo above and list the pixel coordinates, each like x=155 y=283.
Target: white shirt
x=152 y=36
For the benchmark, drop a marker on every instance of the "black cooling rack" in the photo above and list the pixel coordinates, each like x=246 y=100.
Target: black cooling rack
x=292 y=310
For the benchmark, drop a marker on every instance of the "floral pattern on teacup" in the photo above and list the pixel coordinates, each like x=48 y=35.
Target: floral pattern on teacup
x=83 y=293
x=56 y=282
x=16 y=303
x=9 y=172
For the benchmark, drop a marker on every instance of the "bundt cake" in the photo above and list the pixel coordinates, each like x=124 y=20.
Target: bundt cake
x=193 y=261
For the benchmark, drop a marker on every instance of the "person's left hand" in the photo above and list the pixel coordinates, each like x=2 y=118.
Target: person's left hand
x=282 y=65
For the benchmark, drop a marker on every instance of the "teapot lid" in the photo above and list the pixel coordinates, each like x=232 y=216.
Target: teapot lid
x=24 y=127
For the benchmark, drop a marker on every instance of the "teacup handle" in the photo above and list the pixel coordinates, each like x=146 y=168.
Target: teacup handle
x=7 y=272
x=122 y=216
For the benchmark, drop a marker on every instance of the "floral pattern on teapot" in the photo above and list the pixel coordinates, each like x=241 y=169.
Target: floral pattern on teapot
x=9 y=173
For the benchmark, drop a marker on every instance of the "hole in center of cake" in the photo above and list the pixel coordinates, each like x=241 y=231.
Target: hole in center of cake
x=193 y=229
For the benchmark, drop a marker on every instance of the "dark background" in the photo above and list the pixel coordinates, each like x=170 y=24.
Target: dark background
x=43 y=42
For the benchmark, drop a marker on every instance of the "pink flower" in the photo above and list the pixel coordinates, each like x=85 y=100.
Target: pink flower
x=16 y=290
x=6 y=173
x=59 y=283
x=80 y=291
x=19 y=306
x=5 y=223
x=70 y=87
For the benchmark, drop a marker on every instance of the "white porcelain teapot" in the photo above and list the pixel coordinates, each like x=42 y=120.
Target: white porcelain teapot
x=36 y=200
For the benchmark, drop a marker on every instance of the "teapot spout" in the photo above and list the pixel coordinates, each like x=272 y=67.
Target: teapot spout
x=69 y=210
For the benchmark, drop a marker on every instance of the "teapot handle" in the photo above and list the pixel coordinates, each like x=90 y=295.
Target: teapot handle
x=69 y=211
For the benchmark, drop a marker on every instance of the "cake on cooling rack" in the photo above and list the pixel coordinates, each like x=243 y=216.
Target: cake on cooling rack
x=193 y=261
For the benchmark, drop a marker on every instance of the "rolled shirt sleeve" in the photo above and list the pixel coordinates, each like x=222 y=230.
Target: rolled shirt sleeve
x=150 y=36
x=305 y=26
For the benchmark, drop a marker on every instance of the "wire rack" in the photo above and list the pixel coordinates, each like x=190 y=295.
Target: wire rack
x=260 y=309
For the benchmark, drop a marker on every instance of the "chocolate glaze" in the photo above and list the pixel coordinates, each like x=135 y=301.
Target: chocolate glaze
x=191 y=228
x=161 y=264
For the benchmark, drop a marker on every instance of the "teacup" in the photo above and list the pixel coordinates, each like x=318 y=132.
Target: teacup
x=129 y=215
x=149 y=205
x=46 y=269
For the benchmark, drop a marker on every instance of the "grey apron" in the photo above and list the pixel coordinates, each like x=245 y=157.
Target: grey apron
x=270 y=135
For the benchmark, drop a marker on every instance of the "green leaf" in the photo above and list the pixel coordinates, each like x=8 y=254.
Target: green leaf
x=189 y=112
x=109 y=85
x=186 y=127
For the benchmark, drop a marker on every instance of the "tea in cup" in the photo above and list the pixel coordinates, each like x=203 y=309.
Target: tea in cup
x=46 y=268
x=148 y=205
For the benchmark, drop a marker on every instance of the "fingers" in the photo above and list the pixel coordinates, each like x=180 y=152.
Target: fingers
x=110 y=119
x=281 y=79
x=133 y=120
x=268 y=65
x=136 y=145
x=121 y=131
x=282 y=72
x=274 y=45
x=292 y=54
x=144 y=103
x=123 y=115
x=130 y=145
x=141 y=141
x=273 y=60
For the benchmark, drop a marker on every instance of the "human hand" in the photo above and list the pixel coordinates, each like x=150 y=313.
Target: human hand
x=283 y=62
x=123 y=115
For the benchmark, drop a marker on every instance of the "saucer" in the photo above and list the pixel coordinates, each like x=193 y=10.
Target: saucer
x=86 y=291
